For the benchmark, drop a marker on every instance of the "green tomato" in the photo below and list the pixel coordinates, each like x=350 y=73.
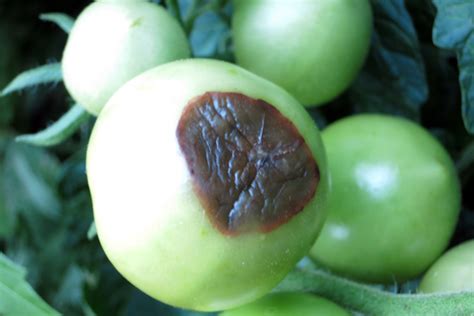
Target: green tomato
x=204 y=195
x=112 y=42
x=395 y=199
x=454 y=271
x=313 y=49
x=286 y=304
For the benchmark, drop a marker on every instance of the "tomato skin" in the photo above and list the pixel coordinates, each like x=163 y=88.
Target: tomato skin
x=313 y=49
x=112 y=42
x=285 y=304
x=395 y=199
x=149 y=220
x=453 y=271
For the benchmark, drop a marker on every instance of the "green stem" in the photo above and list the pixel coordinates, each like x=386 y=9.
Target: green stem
x=58 y=131
x=371 y=301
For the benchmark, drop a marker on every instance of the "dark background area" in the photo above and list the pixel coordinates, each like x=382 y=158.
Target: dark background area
x=26 y=42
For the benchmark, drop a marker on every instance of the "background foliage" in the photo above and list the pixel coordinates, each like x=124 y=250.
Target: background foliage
x=421 y=66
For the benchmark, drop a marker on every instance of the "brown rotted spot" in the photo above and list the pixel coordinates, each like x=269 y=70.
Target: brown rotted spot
x=252 y=171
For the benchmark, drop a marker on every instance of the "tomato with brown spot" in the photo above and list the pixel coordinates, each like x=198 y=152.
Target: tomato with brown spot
x=208 y=183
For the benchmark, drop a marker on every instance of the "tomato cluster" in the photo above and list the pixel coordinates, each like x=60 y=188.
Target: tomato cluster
x=210 y=182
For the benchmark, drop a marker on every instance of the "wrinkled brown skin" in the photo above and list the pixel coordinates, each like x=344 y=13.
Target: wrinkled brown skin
x=252 y=171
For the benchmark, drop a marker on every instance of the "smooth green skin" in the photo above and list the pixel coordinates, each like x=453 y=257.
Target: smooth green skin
x=313 y=49
x=112 y=42
x=289 y=304
x=149 y=221
x=395 y=199
x=453 y=271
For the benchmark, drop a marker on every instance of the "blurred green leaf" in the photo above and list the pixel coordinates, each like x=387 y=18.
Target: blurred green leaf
x=7 y=218
x=209 y=28
x=105 y=282
x=73 y=174
x=49 y=73
x=70 y=292
x=64 y=21
x=31 y=177
x=422 y=13
x=465 y=163
x=92 y=232
x=174 y=9
x=393 y=79
x=58 y=131
x=454 y=29
x=16 y=295
x=209 y=35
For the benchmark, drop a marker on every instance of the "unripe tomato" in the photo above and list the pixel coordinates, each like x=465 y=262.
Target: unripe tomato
x=453 y=271
x=313 y=49
x=208 y=183
x=112 y=42
x=289 y=304
x=395 y=199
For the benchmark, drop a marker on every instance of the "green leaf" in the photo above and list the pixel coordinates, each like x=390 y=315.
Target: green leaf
x=466 y=79
x=208 y=26
x=73 y=174
x=64 y=21
x=31 y=177
x=454 y=29
x=174 y=9
x=466 y=159
x=7 y=218
x=49 y=73
x=393 y=79
x=92 y=231
x=70 y=291
x=58 y=131
x=454 y=23
x=210 y=35
x=16 y=295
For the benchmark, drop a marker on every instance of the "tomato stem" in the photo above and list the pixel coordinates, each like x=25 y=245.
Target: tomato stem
x=372 y=301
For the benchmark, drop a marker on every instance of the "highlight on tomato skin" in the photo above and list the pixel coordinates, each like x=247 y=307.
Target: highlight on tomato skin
x=394 y=203
x=313 y=49
x=452 y=272
x=102 y=48
x=149 y=180
x=286 y=304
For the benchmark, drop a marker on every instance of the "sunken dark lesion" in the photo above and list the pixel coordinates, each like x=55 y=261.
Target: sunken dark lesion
x=251 y=169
